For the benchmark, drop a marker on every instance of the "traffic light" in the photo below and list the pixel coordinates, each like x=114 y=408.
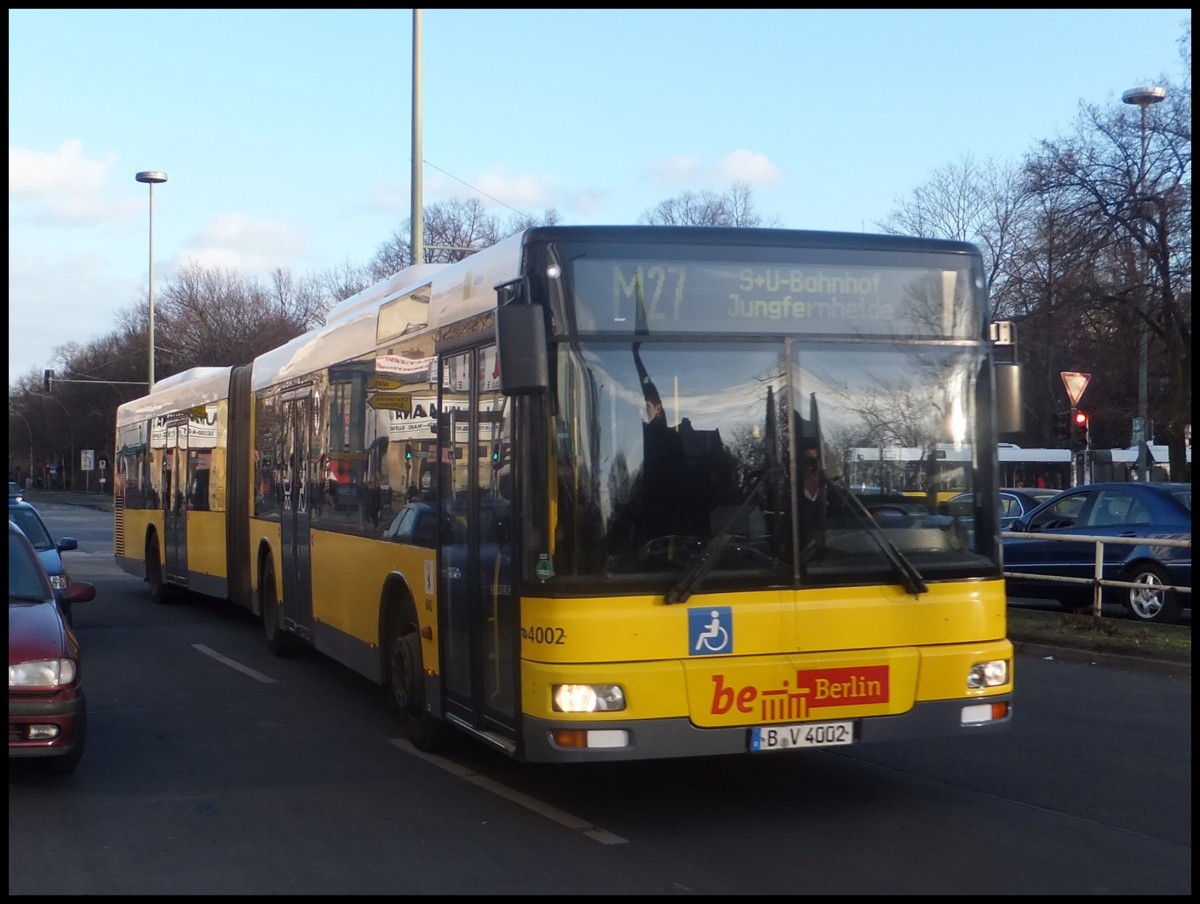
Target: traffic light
x=1080 y=424
x=408 y=451
x=1062 y=428
x=47 y=379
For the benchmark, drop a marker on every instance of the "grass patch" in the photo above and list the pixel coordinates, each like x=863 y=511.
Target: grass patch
x=1119 y=636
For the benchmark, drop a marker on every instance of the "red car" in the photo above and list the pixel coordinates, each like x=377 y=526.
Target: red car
x=47 y=712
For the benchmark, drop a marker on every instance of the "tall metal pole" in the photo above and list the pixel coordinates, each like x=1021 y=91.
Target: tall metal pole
x=418 y=215
x=151 y=177
x=1144 y=98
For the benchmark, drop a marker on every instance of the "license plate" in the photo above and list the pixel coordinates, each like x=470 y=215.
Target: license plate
x=810 y=734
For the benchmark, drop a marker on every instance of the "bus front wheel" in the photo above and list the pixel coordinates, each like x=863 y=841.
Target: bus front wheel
x=406 y=684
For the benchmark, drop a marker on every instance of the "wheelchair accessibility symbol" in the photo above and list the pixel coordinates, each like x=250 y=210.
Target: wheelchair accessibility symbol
x=710 y=631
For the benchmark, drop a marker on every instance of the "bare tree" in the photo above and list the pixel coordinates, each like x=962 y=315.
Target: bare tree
x=1133 y=200
x=968 y=202
x=733 y=208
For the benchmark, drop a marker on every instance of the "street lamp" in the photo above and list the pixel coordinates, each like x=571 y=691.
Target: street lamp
x=151 y=177
x=1143 y=97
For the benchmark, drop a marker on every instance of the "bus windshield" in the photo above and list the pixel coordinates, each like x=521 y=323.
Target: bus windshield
x=667 y=437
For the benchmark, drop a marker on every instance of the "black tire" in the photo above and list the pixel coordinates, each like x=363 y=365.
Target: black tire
x=406 y=686
x=279 y=641
x=160 y=592
x=65 y=765
x=1149 y=603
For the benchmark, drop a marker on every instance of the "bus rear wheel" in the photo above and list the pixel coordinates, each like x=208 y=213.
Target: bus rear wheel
x=406 y=685
x=159 y=591
x=279 y=641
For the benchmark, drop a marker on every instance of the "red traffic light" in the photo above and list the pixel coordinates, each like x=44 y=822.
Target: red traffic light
x=1080 y=418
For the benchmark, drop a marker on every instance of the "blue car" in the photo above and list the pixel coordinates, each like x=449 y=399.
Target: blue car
x=1119 y=510
x=1015 y=503
x=48 y=549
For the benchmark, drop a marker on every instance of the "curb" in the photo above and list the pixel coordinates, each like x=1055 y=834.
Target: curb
x=1092 y=657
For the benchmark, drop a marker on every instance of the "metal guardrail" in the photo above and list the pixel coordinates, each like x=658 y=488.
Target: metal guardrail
x=1096 y=581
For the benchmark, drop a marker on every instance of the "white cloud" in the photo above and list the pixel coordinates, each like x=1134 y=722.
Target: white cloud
x=76 y=298
x=63 y=171
x=63 y=189
x=750 y=167
x=237 y=242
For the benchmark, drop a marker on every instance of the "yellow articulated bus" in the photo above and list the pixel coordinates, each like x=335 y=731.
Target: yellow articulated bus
x=573 y=495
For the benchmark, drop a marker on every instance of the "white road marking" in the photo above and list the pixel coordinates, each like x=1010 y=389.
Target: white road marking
x=237 y=666
x=517 y=797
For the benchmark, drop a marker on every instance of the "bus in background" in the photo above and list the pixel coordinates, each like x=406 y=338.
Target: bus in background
x=944 y=470
x=173 y=523
x=930 y=475
x=1048 y=469
x=575 y=495
x=1126 y=464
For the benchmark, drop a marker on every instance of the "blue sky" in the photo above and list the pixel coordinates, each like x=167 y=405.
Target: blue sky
x=286 y=135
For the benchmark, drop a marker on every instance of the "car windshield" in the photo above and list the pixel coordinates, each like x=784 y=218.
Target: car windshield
x=1185 y=497
x=29 y=522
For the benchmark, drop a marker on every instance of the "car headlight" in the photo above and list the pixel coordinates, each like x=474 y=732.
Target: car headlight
x=42 y=673
x=59 y=581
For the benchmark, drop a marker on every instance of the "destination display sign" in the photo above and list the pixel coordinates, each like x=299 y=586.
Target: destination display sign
x=677 y=295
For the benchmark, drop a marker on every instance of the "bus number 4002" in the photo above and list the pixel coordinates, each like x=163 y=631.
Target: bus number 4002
x=539 y=634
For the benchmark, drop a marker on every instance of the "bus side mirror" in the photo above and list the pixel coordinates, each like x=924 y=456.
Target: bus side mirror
x=521 y=348
x=1010 y=413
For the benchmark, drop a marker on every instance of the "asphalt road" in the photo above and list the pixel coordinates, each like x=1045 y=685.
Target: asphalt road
x=215 y=768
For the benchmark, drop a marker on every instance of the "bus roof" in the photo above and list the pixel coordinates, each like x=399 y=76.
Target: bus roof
x=186 y=389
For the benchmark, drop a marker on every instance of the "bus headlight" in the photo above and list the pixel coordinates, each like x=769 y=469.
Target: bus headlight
x=588 y=698
x=992 y=673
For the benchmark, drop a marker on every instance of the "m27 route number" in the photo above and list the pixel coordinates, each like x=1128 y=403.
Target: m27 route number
x=539 y=634
x=812 y=734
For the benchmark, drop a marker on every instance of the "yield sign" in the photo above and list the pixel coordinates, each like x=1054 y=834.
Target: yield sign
x=1076 y=384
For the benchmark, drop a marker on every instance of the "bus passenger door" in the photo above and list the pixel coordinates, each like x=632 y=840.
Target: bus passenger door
x=298 y=481
x=174 y=501
x=479 y=613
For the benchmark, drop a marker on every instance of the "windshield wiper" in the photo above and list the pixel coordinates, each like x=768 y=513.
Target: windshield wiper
x=910 y=577
x=699 y=567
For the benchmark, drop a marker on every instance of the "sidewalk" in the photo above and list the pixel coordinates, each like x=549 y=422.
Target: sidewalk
x=96 y=500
